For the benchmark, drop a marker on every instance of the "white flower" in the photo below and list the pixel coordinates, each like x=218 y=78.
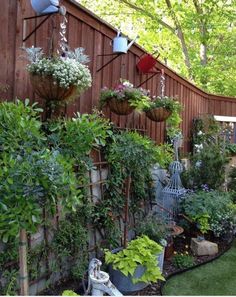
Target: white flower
x=65 y=71
x=200 y=133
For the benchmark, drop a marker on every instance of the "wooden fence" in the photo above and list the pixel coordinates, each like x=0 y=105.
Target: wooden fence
x=88 y=31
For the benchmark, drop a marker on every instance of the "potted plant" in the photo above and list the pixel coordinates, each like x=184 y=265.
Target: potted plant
x=160 y=108
x=157 y=230
x=124 y=98
x=133 y=268
x=57 y=78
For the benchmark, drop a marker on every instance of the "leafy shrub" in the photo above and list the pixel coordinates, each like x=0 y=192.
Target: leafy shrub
x=153 y=227
x=232 y=182
x=207 y=167
x=183 y=260
x=212 y=210
x=32 y=176
x=70 y=243
x=131 y=154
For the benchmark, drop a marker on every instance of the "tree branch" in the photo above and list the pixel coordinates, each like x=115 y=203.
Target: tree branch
x=180 y=35
x=148 y=14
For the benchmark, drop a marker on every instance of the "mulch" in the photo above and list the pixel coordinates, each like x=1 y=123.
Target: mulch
x=180 y=243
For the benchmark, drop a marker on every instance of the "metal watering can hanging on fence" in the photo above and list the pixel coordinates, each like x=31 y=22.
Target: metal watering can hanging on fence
x=120 y=44
x=45 y=6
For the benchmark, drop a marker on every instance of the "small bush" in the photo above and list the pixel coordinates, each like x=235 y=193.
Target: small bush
x=183 y=260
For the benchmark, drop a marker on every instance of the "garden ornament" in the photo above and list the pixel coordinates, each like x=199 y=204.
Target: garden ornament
x=174 y=190
x=99 y=281
x=45 y=6
x=120 y=44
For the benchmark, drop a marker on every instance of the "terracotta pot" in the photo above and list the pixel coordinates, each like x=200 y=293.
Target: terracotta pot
x=169 y=249
x=158 y=114
x=120 y=107
x=48 y=89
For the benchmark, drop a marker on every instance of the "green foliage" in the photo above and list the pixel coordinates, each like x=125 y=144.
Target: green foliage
x=153 y=227
x=131 y=154
x=137 y=97
x=70 y=244
x=32 y=176
x=172 y=105
x=9 y=278
x=169 y=103
x=135 y=152
x=232 y=180
x=206 y=130
x=69 y=293
x=104 y=218
x=76 y=137
x=230 y=148
x=210 y=157
x=195 y=38
x=183 y=260
x=207 y=167
x=141 y=251
x=212 y=210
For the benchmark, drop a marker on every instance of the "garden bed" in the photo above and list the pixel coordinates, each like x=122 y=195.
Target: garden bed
x=169 y=269
x=154 y=289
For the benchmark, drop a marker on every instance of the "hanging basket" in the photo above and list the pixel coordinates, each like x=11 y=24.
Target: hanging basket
x=48 y=89
x=120 y=107
x=158 y=114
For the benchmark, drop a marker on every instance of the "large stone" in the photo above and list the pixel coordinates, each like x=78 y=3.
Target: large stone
x=203 y=247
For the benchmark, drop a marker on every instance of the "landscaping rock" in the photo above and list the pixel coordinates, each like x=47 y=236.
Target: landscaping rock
x=203 y=247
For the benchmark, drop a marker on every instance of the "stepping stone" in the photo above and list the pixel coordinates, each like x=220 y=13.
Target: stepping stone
x=203 y=247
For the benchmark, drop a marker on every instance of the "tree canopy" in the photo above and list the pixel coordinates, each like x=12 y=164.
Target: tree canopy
x=196 y=38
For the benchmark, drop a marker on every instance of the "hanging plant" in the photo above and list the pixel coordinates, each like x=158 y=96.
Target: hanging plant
x=58 y=78
x=124 y=98
x=161 y=108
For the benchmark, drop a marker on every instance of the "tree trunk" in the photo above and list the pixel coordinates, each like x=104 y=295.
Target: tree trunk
x=126 y=220
x=24 y=285
x=181 y=37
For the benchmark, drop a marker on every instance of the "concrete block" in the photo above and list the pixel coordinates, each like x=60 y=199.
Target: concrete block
x=203 y=247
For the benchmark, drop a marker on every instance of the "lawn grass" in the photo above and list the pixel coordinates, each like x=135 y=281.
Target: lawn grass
x=215 y=278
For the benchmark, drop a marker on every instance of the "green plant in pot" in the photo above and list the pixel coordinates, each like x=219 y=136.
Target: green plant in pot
x=133 y=268
x=124 y=98
x=157 y=230
x=161 y=108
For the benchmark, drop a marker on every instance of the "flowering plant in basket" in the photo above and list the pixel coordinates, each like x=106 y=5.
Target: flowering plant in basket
x=126 y=96
x=168 y=103
x=67 y=74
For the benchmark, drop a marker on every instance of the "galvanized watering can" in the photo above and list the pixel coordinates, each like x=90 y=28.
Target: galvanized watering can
x=45 y=6
x=120 y=44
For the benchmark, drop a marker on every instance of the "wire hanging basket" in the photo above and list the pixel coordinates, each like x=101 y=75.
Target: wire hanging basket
x=47 y=88
x=120 y=107
x=159 y=114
